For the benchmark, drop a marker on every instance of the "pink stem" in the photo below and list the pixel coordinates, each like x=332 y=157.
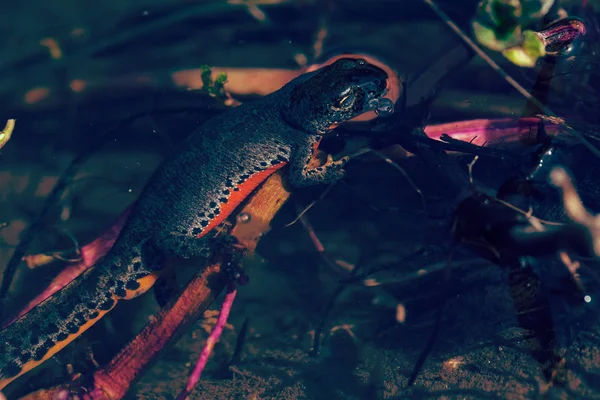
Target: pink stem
x=90 y=254
x=213 y=338
x=488 y=131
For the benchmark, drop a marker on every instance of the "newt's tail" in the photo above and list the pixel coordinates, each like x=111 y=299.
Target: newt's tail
x=50 y=326
x=58 y=320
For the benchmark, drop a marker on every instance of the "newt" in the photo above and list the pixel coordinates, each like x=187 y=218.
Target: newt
x=195 y=190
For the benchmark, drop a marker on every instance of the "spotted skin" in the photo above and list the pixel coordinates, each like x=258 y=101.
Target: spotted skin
x=196 y=189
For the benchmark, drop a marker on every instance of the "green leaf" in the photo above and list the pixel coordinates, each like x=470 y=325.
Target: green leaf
x=221 y=79
x=205 y=75
x=528 y=52
x=488 y=37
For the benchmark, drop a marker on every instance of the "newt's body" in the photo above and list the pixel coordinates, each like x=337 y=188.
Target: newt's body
x=213 y=171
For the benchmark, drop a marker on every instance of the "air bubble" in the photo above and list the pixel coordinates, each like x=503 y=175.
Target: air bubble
x=244 y=218
x=384 y=107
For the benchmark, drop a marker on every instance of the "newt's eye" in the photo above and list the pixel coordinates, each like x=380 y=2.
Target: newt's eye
x=344 y=103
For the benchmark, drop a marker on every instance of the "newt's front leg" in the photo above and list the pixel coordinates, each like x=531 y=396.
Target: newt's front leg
x=301 y=174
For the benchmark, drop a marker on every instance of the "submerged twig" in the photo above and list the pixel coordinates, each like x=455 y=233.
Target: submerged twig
x=405 y=174
x=437 y=325
x=319 y=331
x=38 y=260
x=239 y=344
x=308 y=207
x=318 y=245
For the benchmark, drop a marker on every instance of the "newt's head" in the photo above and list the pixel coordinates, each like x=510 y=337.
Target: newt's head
x=336 y=93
